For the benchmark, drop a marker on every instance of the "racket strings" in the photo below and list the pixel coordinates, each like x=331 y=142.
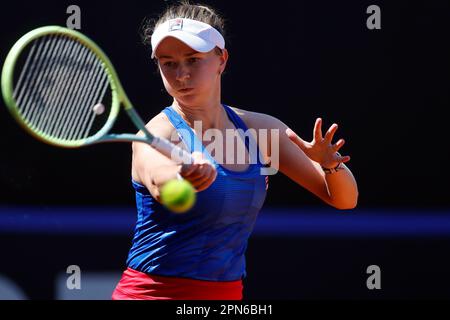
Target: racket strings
x=53 y=92
x=26 y=96
x=60 y=82
x=50 y=123
x=66 y=97
x=97 y=90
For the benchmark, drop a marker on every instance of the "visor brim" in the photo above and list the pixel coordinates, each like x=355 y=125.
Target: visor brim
x=192 y=41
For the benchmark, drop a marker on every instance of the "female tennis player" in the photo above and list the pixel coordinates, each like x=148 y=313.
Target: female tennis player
x=201 y=254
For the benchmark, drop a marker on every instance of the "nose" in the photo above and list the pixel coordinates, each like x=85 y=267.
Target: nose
x=182 y=73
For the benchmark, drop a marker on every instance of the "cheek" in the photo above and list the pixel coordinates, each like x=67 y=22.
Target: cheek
x=207 y=75
x=167 y=80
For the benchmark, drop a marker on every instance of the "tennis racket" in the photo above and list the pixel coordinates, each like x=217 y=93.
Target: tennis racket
x=63 y=90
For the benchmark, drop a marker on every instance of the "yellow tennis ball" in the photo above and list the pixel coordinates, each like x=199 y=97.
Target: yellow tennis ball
x=178 y=195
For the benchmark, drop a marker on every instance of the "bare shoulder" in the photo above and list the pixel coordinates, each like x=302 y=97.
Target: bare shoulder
x=159 y=126
x=257 y=120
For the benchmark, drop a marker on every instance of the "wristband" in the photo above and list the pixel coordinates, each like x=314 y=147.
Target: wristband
x=332 y=170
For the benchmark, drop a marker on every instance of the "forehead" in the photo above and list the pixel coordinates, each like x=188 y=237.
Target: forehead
x=172 y=47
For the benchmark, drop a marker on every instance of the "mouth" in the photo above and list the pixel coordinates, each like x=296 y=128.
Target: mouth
x=185 y=90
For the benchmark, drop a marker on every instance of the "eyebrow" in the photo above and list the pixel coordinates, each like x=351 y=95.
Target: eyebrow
x=186 y=55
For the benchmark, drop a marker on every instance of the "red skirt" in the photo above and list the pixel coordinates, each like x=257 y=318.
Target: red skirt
x=135 y=285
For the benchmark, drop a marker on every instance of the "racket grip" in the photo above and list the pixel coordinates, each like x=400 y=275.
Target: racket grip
x=167 y=148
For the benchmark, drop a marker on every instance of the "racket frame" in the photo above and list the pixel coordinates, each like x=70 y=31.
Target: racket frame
x=119 y=96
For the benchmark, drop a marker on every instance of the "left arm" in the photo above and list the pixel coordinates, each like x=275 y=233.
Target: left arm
x=341 y=186
x=301 y=161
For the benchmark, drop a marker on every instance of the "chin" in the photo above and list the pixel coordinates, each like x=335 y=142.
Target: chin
x=186 y=100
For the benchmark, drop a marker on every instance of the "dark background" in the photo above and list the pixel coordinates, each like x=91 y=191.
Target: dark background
x=387 y=89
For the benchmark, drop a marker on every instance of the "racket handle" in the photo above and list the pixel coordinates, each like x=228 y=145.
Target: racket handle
x=170 y=150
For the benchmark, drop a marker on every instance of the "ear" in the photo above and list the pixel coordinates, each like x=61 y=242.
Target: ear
x=223 y=60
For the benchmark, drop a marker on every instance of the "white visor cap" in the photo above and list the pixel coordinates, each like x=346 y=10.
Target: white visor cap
x=198 y=35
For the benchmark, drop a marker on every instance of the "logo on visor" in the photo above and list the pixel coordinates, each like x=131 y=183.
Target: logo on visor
x=175 y=24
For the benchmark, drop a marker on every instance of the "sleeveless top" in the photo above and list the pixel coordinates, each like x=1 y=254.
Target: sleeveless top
x=209 y=241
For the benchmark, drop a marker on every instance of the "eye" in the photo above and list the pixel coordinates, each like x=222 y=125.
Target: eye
x=193 y=60
x=169 y=64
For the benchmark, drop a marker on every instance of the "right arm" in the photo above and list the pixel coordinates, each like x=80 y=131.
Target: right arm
x=153 y=169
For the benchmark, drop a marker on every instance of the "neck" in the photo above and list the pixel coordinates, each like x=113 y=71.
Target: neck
x=211 y=113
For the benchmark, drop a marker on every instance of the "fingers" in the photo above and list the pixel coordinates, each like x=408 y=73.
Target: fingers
x=321 y=148
x=336 y=148
x=345 y=159
x=330 y=133
x=201 y=173
x=187 y=169
x=329 y=138
x=339 y=145
x=341 y=158
x=317 y=134
x=204 y=182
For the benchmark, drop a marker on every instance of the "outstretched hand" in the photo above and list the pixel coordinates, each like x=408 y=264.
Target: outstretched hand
x=321 y=149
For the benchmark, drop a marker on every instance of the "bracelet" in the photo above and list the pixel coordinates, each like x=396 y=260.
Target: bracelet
x=332 y=170
x=335 y=169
